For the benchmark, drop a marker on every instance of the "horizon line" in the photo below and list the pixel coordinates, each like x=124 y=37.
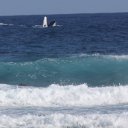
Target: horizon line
x=65 y=13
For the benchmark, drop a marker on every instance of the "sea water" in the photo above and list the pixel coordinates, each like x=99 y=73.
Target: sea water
x=73 y=75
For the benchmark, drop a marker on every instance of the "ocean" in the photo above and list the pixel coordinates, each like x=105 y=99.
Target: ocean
x=73 y=75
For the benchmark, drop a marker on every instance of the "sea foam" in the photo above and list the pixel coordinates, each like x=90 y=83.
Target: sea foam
x=56 y=95
x=66 y=121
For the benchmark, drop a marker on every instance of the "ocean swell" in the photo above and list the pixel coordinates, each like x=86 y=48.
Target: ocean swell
x=95 y=70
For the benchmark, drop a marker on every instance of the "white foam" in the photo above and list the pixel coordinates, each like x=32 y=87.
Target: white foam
x=40 y=26
x=56 y=95
x=65 y=121
x=3 y=24
x=37 y=26
x=117 y=57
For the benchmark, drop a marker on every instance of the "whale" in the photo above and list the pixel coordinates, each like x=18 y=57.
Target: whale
x=50 y=24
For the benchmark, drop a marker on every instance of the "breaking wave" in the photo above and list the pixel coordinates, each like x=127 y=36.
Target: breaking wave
x=56 y=95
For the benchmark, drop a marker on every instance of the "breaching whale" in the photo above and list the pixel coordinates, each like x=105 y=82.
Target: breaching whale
x=45 y=23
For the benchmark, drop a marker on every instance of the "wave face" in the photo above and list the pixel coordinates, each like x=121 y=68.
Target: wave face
x=95 y=70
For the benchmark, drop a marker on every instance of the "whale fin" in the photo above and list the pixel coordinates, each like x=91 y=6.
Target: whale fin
x=45 y=22
x=52 y=23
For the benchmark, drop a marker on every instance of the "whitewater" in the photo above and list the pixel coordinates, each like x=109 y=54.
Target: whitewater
x=63 y=106
x=57 y=95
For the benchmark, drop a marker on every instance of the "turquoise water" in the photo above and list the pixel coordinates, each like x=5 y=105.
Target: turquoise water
x=95 y=70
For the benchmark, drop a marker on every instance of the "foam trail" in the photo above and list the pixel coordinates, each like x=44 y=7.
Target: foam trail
x=56 y=95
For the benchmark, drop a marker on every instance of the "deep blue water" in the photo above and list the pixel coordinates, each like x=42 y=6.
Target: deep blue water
x=84 y=48
x=82 y=33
